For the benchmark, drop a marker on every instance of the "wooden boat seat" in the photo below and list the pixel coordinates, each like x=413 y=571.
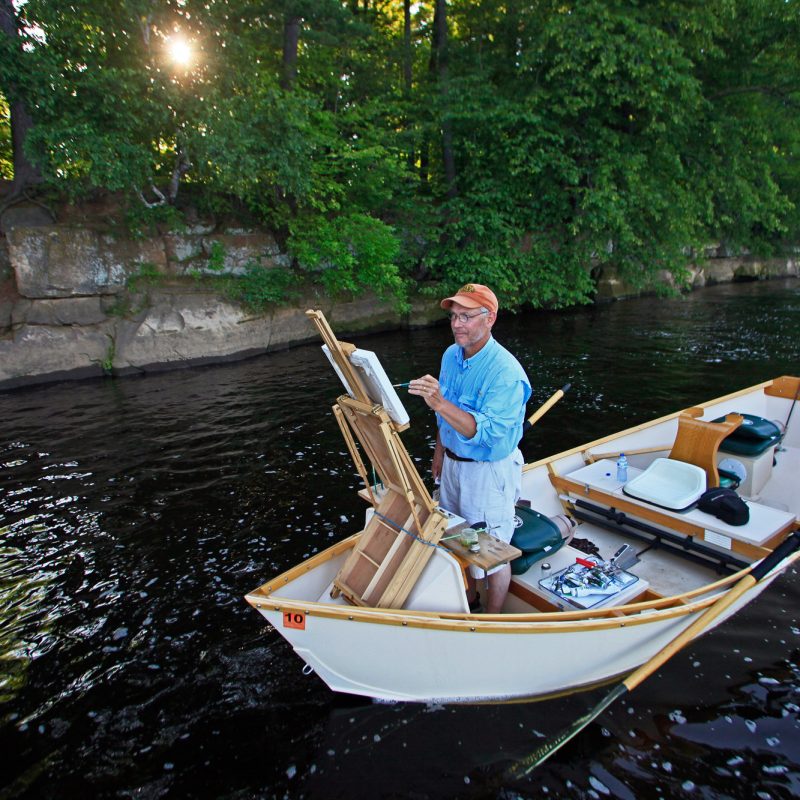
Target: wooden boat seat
x=697 y=441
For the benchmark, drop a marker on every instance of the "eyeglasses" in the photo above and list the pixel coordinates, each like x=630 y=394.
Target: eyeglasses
x=465 y=318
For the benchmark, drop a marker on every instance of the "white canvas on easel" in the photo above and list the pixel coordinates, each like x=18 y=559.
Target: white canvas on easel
x=375 y=380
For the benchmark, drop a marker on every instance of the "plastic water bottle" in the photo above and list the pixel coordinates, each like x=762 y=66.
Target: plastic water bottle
x=622 y=468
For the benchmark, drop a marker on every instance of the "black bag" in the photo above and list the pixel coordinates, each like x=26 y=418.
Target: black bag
x=726 y=505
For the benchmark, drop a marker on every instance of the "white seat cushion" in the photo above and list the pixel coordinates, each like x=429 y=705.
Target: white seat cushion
x=668 y=483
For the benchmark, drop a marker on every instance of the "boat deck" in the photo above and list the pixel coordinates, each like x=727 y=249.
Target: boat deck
x=660 y=572
x=665 y=572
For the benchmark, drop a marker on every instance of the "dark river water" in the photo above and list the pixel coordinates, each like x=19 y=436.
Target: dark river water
x=136 y=513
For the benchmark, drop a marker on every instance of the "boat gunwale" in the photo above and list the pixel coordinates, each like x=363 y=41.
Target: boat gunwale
x=612 y=617
x=584 y=448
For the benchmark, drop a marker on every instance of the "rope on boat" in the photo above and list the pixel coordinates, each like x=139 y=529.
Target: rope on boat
x=791 y=408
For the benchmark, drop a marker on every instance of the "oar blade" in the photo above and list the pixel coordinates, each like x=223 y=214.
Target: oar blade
x=525 y=766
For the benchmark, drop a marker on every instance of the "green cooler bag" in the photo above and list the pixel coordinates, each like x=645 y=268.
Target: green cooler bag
x=537 y=537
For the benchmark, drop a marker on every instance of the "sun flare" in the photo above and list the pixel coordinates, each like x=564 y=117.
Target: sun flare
x=180 y=51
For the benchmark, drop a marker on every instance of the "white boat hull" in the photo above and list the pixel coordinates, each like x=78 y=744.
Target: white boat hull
x=477 y=661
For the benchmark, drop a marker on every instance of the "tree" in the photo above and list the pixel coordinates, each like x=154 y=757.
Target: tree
x=524 y=144
x=579 y=134
x=439 y=68
x=25 y=172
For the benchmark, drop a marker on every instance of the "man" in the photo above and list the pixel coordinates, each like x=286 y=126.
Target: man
x=479 y=402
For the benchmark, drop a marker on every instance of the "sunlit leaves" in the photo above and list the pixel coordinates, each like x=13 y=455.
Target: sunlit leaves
x=6 y=157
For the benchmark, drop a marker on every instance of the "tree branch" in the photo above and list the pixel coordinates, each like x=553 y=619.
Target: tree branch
x=162 y=201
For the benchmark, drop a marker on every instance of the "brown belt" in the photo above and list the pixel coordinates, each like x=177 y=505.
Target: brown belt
x=451 y=454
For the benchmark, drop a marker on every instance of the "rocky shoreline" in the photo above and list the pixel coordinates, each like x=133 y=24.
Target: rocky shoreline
x=76 y=301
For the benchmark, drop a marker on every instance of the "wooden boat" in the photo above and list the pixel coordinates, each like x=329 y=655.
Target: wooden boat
x=383 y=613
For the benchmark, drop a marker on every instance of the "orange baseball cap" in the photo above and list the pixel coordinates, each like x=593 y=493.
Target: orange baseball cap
x=473 y=295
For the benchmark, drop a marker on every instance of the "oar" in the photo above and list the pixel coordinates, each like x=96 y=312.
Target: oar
x=544 y=408
x=528 y=764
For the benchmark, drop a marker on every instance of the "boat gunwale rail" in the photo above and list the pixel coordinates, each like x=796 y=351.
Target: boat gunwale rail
x=587 y=447
x=612 y=617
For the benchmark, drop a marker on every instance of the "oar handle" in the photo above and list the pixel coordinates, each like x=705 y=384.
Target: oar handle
x=786 y=548
x=544 y=408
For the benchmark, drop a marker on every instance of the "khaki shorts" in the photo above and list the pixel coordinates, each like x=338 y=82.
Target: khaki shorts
x=483 y=491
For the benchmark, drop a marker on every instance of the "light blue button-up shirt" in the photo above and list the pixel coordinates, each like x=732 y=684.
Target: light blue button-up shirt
x=493 y=387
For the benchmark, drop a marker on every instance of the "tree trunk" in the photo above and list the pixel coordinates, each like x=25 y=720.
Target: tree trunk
x=291 y=41
x=26 y=173
x=407 y=53
x=408 y=80
x=440 y=61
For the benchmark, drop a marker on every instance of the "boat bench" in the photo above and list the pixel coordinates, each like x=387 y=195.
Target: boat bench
x=597 y=483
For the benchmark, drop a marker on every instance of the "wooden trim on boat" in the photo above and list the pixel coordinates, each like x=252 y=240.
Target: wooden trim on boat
x=654 y=601
x=558 y=621
x=785 y=386
x=565 y=505
x=652 y=423
x=531 y=598
x=590 y=457
x=279 y=581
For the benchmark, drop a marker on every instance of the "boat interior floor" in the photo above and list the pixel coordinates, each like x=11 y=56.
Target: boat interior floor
x=670 y=572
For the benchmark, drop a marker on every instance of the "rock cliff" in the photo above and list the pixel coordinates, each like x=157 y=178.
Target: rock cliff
x=77 y=301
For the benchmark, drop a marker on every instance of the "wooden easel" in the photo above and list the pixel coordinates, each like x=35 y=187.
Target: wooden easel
x=400 y=537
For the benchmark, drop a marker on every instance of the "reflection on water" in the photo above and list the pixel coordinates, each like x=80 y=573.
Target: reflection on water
x=135 y=514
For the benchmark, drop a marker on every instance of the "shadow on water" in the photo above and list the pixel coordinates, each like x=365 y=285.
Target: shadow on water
x=135 y=514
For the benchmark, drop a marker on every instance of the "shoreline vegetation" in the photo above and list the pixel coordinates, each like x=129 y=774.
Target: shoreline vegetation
x=80 y=302
x=178 y=179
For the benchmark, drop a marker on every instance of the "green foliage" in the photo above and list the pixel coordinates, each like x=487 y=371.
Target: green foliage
x=261 y=287
x=142 y=221
x=216 y=258
x=580 y=135
x=6 y=158
x=348 y=253
x=147 y=274
x=107 y=364
x=257 y=145
x=121 y=307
